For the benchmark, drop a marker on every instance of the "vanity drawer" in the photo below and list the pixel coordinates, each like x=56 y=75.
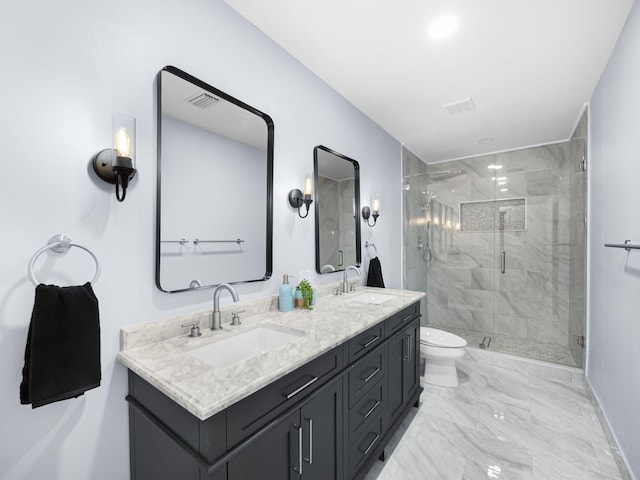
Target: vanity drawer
x=365 y=373
x=255 y=411
x=397 y=321
x=365 y=342
x=367 y=408
x=364 y=445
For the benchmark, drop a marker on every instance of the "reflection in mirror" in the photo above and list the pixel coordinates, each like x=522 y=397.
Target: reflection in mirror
x=337 y=191
x=215 y=187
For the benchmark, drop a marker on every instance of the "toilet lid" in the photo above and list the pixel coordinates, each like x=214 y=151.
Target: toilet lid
x=440 y=338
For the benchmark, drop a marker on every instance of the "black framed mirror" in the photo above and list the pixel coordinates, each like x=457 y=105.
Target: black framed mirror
x=214 y=187
x=337 y=200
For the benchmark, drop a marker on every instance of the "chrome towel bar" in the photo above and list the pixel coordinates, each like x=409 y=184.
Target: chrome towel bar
x=60 y=244
x=627 y=245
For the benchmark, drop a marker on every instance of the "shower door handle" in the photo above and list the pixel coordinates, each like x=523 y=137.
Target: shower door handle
x=503 y=261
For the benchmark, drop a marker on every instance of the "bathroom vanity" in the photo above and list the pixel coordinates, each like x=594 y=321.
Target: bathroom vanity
x=322 y=405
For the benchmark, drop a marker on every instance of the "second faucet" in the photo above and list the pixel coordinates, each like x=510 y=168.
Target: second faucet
x=345 y=285
x=216 y=323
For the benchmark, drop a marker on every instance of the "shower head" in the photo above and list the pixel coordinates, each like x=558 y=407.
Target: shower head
x=435 y=176
x=444 y=175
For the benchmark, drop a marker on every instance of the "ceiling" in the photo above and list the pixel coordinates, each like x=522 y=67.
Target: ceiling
x=528 y=66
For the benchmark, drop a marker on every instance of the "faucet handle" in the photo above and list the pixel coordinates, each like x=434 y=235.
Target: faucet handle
x=235 y=317
x=352 y=287
x=195 y=329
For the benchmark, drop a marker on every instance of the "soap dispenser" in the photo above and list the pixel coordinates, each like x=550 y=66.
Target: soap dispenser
x=285 y=299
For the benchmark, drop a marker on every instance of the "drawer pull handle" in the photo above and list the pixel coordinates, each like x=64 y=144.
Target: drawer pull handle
x=299 y=389
x=373 y=442
x=371 y=410
x=370 y=342
x=371 y=375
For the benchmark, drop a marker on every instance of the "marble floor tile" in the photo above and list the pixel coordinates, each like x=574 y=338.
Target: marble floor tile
x=506 y=420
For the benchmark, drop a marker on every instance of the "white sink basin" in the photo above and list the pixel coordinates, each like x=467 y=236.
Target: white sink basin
x=370 y=297
x=245 y=345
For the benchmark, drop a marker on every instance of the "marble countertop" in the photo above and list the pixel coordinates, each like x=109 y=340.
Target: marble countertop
x=205 y=390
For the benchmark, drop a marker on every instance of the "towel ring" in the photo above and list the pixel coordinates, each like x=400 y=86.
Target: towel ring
x=59 y=244
x=371 y=244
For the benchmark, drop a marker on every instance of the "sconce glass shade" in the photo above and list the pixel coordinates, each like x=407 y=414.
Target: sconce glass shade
x=117 y=165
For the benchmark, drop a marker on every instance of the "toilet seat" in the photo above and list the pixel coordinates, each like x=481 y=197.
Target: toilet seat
x=439 y=338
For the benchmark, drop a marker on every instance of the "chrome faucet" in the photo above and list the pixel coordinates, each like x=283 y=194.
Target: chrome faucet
x=217 y=323
x=345 y=285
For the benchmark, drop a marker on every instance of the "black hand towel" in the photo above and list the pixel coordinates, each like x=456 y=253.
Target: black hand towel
x=62 y=356
x=374 y=277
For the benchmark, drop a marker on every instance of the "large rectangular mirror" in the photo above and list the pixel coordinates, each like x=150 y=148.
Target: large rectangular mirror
x=337 y=192
x=215 y=187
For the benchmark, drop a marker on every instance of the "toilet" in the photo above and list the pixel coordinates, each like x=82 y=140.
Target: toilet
x=440 y=350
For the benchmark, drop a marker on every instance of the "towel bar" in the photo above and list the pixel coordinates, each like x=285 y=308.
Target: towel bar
x=60 y=244
x=627 y=245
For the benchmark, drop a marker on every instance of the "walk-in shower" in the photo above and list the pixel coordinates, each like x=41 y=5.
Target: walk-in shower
x=497 y=243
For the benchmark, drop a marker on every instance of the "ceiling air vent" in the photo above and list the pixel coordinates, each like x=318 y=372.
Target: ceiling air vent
x=461 y=106
x=203 y=100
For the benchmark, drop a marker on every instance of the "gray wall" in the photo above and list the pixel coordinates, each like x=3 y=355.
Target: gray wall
x=613 y=358
x=66 y=67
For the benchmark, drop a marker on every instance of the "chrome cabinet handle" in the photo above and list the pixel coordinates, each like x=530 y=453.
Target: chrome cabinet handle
x=371 y=375
x=340 y=257
x=503 y=261
x=371 y=410
x=309 y=459
x=298 y=468
x=405 y=351
x=375 y=439
x=299 y=389
x=370 y=342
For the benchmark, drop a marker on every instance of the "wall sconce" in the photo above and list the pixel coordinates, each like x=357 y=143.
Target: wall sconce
x=298 y=198
x=117 y=165
x=367 y=212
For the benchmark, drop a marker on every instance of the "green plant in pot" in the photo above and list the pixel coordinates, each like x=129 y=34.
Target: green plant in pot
x=307 y=293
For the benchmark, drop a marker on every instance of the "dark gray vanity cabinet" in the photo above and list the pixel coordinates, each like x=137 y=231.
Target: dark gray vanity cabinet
x=327 y=420
x=305 y=444
x=403 y=368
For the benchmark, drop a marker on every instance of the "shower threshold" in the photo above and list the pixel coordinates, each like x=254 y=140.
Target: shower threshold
x=547 y=352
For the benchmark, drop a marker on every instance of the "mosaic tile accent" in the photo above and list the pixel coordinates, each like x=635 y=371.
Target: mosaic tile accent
x=493 y=215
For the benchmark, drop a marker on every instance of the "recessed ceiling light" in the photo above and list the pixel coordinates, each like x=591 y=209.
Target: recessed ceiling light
x=443 y=26
x=485 y=141
x=504 y=189
x=494 y=167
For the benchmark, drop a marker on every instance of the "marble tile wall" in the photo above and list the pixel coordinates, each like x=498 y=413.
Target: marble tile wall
x=461 y=270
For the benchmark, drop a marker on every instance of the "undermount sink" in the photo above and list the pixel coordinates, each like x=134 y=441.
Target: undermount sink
x=371 y=297
x=243 y=346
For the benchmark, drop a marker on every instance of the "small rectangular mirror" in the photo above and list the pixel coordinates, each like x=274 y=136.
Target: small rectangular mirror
x=337 y=199
x=215 y=187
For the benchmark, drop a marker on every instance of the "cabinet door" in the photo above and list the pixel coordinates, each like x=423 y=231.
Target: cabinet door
x=404 y=368
x=397 y=346
x=411 y=363
x=276 y=454
x=322 y=425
